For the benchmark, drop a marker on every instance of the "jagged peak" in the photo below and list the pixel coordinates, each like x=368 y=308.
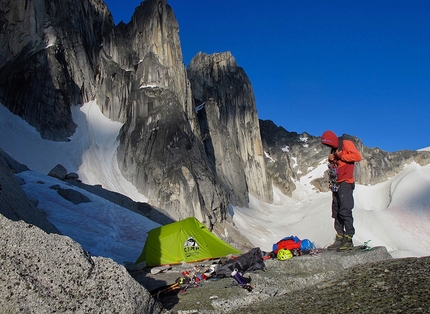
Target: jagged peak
x=218 y=58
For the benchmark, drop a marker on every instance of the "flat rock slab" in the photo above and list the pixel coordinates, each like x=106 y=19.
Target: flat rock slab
x=281 y=277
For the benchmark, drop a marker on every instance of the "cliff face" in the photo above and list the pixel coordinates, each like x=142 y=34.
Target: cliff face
x=160 y=150
x=48 y=53
x=58 y=54
x=229 y=126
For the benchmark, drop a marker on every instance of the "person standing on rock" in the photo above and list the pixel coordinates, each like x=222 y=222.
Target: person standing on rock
x=341 y=160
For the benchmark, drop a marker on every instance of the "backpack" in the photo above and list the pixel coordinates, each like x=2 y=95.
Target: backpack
x=252 y=260
x=350 y=153
x=288 y=243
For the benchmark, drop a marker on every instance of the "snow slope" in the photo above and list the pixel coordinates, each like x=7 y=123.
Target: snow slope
x=101 y=227
x=395 y=214
x=91 y=151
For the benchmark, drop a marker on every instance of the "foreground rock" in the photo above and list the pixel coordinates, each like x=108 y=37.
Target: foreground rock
x=43 y=273
x=330 y=282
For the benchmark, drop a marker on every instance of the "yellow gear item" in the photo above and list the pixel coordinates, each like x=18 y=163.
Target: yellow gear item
x=284 y=254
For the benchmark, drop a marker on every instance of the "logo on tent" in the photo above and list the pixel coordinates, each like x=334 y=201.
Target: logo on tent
x=191 y=247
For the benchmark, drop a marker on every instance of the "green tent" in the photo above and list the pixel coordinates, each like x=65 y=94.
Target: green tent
x=187 y=240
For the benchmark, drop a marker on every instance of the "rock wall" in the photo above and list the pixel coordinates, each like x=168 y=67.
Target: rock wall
x=48 y=54
x=140 y=59
x=229 y=126
x=160 y=150
x=56 y=54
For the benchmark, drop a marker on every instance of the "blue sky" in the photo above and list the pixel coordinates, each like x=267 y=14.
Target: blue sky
x=355 y=67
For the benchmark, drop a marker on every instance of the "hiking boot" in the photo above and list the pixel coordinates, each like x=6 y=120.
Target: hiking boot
x=338 y=239
x=346 y=243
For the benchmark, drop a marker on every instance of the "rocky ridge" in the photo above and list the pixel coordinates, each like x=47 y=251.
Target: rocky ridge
x=290 y=155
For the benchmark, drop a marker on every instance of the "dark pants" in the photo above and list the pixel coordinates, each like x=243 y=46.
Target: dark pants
x=342 y=205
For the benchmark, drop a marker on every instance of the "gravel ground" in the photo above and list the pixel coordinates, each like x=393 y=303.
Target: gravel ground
x=395 y=286
x=356 y=282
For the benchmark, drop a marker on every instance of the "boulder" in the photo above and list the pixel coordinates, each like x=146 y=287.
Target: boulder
x=58 y=172
x=45 y=273
x=72 y=176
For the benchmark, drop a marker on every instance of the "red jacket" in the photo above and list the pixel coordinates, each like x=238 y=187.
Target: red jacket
x=345 y=171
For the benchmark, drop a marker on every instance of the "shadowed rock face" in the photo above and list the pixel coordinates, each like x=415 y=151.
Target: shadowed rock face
x=48 y=52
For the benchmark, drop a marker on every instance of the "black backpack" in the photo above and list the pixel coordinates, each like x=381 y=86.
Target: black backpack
x=252 y=260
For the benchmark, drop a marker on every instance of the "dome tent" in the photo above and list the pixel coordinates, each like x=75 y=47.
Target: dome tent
x=187 y=240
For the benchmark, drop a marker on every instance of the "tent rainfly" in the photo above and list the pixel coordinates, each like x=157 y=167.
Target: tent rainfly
x=187 y=240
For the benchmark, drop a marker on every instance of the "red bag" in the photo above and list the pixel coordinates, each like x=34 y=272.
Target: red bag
x=288 y=243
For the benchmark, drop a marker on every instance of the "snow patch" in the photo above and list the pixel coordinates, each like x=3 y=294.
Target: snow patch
x=269 y=157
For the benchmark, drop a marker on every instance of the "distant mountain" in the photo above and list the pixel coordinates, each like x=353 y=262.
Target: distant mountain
x=290 y=156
